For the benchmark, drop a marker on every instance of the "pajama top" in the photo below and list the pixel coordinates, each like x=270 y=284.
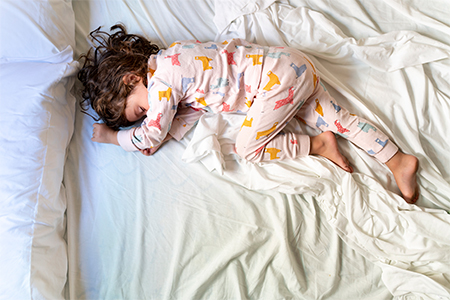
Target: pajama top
x=190 y=78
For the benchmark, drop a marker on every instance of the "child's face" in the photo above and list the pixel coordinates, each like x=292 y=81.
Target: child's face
x=137 y=103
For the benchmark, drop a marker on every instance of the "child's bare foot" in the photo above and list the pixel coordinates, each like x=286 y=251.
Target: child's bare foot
x=404 y=167
x=325 y=145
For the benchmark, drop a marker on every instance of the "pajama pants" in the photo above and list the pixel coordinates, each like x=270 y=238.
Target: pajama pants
x=290 y=87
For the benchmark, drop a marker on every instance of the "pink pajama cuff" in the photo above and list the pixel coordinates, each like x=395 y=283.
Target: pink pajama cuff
x=387 y=152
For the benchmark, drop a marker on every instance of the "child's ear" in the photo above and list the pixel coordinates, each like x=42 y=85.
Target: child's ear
x=130 y=79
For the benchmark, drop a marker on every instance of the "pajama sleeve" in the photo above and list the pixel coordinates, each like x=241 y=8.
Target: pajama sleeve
x=184 y=120
x=163 y=106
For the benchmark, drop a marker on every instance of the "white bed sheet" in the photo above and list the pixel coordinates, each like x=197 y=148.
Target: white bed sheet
x=162 y=228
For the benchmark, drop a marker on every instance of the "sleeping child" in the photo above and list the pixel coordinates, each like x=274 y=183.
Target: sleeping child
x=126 y=78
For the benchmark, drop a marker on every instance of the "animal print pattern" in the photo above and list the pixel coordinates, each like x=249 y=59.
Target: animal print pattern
x=291 y=88
x=272 y=86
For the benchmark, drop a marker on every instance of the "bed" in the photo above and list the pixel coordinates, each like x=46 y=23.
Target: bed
x=81 y=220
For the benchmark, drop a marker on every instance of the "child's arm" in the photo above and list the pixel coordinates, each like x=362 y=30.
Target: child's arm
x=163 y=103
x=106 y=135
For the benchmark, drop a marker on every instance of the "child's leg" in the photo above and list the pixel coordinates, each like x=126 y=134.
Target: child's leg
x=323 y=112
x=280 y=145
x=287 y=80
x=262 y=138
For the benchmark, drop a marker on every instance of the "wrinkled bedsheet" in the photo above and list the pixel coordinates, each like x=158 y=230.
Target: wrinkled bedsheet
x=194 y=221
x=410 y=243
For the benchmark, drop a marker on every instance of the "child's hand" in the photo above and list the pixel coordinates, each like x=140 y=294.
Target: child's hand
x=147 y=152
x=103 y=134
x=150 y=151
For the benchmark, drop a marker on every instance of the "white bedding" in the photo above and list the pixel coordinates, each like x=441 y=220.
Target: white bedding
x=194 y=221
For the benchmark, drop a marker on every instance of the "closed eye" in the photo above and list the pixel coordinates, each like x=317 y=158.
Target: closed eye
x=140 y=113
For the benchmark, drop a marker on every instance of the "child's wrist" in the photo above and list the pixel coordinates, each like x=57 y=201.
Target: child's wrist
x=113 y=137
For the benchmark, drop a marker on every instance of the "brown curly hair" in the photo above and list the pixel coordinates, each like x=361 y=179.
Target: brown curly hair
x=112 y=57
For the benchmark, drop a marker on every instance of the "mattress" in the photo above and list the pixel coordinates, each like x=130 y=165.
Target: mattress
x=195 y=221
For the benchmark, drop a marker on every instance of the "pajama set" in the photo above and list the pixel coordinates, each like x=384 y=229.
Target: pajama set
x=271 y=85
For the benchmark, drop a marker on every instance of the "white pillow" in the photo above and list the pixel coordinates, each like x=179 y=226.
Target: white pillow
x=36 y=121
x=37 y=111
x=35 y=29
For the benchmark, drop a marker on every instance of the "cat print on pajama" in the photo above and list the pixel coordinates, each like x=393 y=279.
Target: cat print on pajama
x=271 y=85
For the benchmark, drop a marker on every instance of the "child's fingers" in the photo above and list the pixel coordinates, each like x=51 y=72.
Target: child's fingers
x=146 y=152
x=100 y=133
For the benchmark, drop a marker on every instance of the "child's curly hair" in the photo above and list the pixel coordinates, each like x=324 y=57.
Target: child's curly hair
x=113 y=56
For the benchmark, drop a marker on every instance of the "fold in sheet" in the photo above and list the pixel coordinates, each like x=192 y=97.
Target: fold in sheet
x=374 y=221
x=312 y=32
